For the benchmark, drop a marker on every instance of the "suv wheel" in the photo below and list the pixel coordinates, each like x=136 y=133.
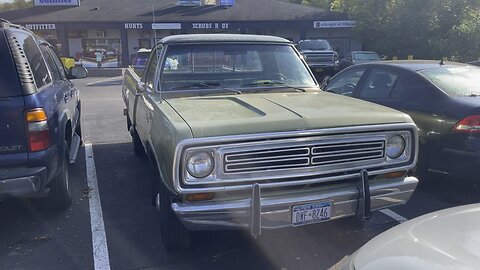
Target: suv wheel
x=59 y=196
x=174 y=235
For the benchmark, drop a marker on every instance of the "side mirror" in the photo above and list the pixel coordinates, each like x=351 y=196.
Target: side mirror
x=325 y=82
x=77 y=72
x=140 y=86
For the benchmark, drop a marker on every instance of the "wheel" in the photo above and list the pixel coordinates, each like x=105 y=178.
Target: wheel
x=59 y=196
x=137 y=144
x=78 y=131
x=174 y=235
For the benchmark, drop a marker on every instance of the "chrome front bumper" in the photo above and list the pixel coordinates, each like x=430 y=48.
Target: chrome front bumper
x=265 y=210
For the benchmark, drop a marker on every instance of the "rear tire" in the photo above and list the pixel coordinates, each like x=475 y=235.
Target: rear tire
x=174 y=235
x=59 y=196
x=137 y=144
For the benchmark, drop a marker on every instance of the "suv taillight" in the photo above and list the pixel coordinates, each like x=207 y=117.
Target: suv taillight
x=38 y=133
x=470 y=124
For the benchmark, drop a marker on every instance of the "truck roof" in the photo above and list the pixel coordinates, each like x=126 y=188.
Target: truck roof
x=217 y=38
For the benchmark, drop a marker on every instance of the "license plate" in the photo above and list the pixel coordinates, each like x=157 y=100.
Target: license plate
x=319 y=70
x=311 y=213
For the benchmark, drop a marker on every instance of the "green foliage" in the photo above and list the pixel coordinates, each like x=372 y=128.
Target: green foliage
x=428 y=29
x=323 y=4
x=16 y=4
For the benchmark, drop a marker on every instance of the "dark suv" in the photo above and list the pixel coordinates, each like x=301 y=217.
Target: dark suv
x=320 y=56
x=40 y=130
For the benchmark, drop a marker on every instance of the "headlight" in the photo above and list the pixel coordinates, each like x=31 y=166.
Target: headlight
x=395 y=146
x=200 y=164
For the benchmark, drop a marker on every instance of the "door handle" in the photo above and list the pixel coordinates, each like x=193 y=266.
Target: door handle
x=65 y=98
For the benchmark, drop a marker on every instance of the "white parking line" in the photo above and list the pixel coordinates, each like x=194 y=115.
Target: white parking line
x=394 y=215
x=99 y=240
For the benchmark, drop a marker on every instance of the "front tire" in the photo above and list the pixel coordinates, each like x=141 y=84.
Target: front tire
x=59 y=196
x=174 y=235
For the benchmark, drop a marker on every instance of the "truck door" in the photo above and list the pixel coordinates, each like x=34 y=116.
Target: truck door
x=143 y=104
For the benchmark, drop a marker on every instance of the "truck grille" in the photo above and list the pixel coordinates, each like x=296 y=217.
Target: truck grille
x=314 y=155
x=319 y=58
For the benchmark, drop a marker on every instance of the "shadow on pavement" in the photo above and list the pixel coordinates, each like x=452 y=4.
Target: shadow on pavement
x=134 y=241
x=34 y=237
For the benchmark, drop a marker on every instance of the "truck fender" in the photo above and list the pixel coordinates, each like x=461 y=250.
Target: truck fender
x=151 y=152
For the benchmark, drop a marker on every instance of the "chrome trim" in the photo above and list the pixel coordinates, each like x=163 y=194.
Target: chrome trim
x=301 y=136
x=275 y=211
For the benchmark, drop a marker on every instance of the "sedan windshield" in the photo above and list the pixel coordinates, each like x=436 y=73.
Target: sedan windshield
x=233 y=66
x=455 y=81
x=366 y=56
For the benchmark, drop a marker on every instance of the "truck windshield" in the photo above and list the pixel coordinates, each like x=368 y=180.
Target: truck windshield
x=314 y=45
x=234 y=66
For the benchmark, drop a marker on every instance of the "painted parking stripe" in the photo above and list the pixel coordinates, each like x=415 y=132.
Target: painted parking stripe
x=99 y=240
x=394 y=215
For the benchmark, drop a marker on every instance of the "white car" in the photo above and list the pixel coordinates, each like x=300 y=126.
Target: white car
x=444 y=240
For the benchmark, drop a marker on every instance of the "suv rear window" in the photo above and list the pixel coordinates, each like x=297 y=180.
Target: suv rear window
x=9 y=82
x=35 y=58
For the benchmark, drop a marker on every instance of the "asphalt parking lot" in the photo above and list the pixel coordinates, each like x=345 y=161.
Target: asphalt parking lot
x=34 y=238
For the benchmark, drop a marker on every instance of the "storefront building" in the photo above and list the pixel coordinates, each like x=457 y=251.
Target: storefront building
x=108 y=33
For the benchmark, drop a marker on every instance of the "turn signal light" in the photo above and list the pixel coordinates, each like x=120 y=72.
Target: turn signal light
x=470 y=124
x=199 y=197
x=38 y=132
x=36 y=115
x=393 y=175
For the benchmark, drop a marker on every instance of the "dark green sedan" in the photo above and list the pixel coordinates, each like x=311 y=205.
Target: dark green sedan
x=443 y=98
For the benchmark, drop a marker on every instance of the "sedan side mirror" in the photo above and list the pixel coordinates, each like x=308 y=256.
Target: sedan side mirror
x=325 y=82
x=77 y=72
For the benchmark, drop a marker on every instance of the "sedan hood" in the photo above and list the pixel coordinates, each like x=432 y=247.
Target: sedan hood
x=276 y=112
x=443 y=240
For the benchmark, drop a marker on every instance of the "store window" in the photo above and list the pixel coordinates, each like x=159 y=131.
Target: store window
x=101 y=53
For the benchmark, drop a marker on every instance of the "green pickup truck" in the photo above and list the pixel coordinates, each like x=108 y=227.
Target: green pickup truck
x=240 y=136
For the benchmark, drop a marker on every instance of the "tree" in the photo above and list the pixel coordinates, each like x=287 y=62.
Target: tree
x=427 y=29
x=16 y=4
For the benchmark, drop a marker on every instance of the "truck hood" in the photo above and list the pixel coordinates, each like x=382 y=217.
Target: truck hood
x=443 y=240
x=276 y=112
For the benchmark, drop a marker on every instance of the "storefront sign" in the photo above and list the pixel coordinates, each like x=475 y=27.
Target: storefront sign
x=333 y=24
x=133 y=25
x=227 y=2
x=189 y=2
x=41 y=26
x=50 y=3
x=211 y=25
x=166 y=26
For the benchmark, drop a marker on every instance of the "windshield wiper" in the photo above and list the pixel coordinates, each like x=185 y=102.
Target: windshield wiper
x=473 y=95
x=275 y=83
x=209 y=86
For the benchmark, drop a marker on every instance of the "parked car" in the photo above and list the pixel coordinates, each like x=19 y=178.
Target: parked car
x=40 y=131
x=475 y=63
x=359 y=57
x=443 y=98
x=247 y=139
x=445 y=239
x=141 y=59
x=320 y=56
